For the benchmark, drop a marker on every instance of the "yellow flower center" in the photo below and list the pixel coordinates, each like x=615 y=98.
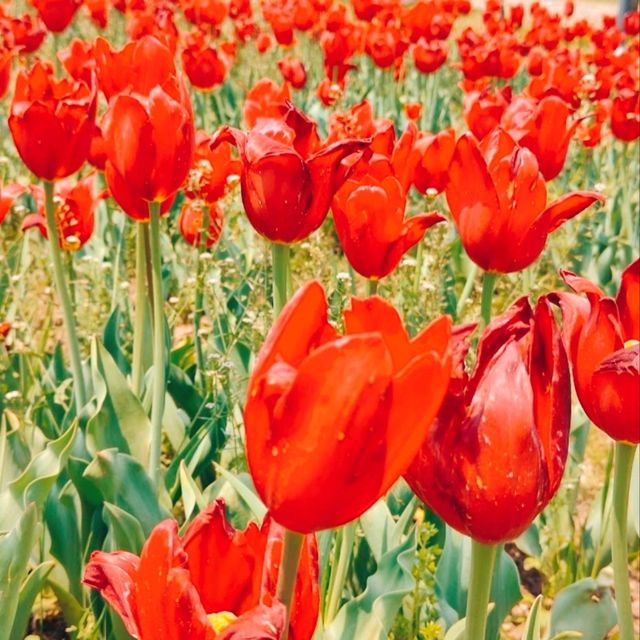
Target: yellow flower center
x=631 y=343
x=220 y=621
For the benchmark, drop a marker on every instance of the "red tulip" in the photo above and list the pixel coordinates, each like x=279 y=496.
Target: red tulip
x=429 y=56
x=6 y=58
x=495 y=454
x=28 y=32
x=56 y=14
x=625 y=115
x=51 y=122
x=293 y=71
x=368 y=212
x=191 y=220
x=75 y=207
x=287 y=210
x=544 y=128
x=413 y=110
x=265 y=99
x=205 y=12
x=498 y=200
x=205 y=67
x=434 y=152
x=149 y=133
x=331 y=422
x=602 y=334
x=205 y=586
x=483 y=110
x=8 y=195
x=78 y=60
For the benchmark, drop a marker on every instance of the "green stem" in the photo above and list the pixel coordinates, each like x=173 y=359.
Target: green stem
x=468 y=287
x=488 y=284
x=65 y=299
x=623 y=465
x=338 y=575
x=157 y=407
x=372 y=287
x=483 y=558
x=291 y=549
x=198 y=310
x=280 y=257
x=140 y=310
x=418 y=275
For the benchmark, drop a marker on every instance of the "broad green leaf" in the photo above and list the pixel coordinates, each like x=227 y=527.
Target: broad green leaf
x=372 y=613
x=125 y=531
x=30 y=589
x=122 y=481
x=587 y=607
x=378 y=526
x=15 y=550
x=250 y=498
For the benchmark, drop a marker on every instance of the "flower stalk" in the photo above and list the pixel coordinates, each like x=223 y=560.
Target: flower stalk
x=291 y=550
x=280 y=261
x=483 y=559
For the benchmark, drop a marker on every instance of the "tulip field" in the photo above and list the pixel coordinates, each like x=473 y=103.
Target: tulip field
x=319 y=320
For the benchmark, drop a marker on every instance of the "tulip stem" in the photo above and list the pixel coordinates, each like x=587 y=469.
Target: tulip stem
x=140 y=310
x=372 y=287
x=623 y=465
x=468 y=287
x=157 y=406
x=80 y=391
x=198 y=310
x=291 y=549
x=488 y=285
x=483 y=558
x=344 y=545
x=280 y=258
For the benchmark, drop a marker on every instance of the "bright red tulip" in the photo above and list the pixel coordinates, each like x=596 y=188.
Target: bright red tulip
x=359 y=122
x=265 y=99
x=8 y=195
x=28 y=32
x=495 y=454
x=483 y=110
x=56 y=14
x=498 y=200
x=205 y=12
x=6 y=58
x=293 y=71
x=191 y=221
x=331 y=422
x=75 y=207
x=52 y=122
x=625 y=115
x=429 y=56
x=78 y=60
x=602 y=335
x=149 y=133
x=214 y=577
x=204 y=65
x=287 y=210
x=434 y=154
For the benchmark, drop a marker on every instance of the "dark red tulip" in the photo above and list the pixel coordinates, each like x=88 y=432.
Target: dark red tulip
x=287 y=210
x=498 y=200
x=191 y=221
x=332 y=421
x=602 y=335
x=429 y=56
x=56 y=14
x=205 y=66
x=52 y=122
x=293 y=71
x=28 y=32
x=495 y=454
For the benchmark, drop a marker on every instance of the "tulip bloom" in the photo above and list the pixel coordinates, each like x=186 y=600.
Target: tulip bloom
x=75 y=207
x=625 y=115
x=205 y=67
x=214 y=583
x=191 y=221
x=602 y=334
x=287 y=210
x=265 y=99
x=332 y=422
x=56 y=14
x=368 y=212
x=52 y=122
x=495 y=454
x=293 y=71
x=483 y=110
x=8 y=195
x=498 y=200
x=434 y=154
x=149 y=132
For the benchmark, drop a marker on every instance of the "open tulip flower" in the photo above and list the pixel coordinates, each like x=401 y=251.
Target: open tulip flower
x=332 y=422
x=287 y=210
x=56 y=14
x=214 y=583
x=52 y=122
x=148 y=128
x=75 y=206
x=602 y=337
x=495 y=454
x=498 y=200
x=368 y=212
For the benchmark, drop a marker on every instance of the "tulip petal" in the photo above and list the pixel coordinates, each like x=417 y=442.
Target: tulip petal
x=569 y=206
x=628 y=301
x=261 y=623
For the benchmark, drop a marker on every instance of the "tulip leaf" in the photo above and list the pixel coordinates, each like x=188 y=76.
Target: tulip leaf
x=121 y=480
x=72 y=610
x=532 y=628
x=378 y=525
x=125 y=531
x=15 y=551
x=112 y=343
x=30 y=589
x=372 y=613
x=250 y=498
x=452 y=578
x=586 y=607
x=120 y=420
x=191 y=494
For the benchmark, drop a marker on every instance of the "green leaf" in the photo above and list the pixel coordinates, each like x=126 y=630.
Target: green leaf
x=125 y=531
x=191 y=494
x=122 y=480
x=587 y=607
x=30 y=589
x=532 y=628
x=72 y=610
x=372 y=613
x=15 y=550
x=378 y=525
x=254 y=503
x=111 y=340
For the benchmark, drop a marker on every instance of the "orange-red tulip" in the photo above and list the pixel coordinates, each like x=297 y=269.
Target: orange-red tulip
x=52 y=122
x=602 y=336
x=332 y=422
x=495 y=454
x=191 y=220
x=498 y=200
